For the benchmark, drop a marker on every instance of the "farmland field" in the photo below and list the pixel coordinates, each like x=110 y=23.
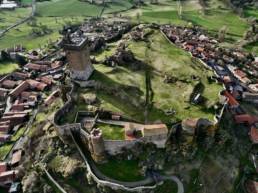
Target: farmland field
x=61 y=12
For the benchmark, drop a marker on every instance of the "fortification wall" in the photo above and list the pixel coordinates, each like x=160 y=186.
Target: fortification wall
x=114 y=147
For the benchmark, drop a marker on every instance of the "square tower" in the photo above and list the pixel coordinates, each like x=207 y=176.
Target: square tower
x=78 y=56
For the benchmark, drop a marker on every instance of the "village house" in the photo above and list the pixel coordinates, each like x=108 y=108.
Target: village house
x=21 y=75
x=250 y=97
x=36 y=85
x=51 y=98
x=36 y=67
x=8 y=177
x=3 y=167
x=8 y=84
x=5 y=126
x=246 y=118
x=15 y=118
x=19 y=89
x=232 y=102
x=45 y=79
x=156 y=133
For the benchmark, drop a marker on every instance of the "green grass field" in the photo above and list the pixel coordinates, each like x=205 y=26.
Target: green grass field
x=8 y=18
x=7 y=67
x=74 y=11
x=214 y=20
x=162 y=57
x=126 y=170
x=55 y=14
x=111 y=132
x=252 y=47
x=5 y=149
x=216 y=16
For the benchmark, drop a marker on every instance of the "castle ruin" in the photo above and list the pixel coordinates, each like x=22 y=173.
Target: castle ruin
x=96 y=146
x=78 y=55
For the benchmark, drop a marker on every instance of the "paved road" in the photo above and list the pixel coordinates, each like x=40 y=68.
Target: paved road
x=180 y=186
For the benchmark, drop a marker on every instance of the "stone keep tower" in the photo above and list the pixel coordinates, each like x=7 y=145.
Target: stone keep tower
x=78 y=55
x=96 y=145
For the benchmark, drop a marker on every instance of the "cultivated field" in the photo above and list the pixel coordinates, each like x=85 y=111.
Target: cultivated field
x=58 y=13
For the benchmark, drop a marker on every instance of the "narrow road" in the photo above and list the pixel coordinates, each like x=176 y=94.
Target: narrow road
x=128 y=186
x=180 y=186
x=32 y=14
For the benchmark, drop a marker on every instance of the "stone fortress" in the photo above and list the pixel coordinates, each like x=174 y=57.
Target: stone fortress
x=77 y=51
x=78 y=54
x=77 y=48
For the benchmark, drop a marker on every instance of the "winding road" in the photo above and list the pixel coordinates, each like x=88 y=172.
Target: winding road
x=128 y=186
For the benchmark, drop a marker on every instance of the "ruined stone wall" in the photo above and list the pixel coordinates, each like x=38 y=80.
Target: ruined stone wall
x=64 y=130
x=114 y=147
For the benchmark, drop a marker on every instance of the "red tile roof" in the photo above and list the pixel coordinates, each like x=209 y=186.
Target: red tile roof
x=5 y=128
x=231 y=100
x=37 y=85
x=21 y=75
x=46 y=79
x=246 y=118
x=240 y=73
x=8 y=176
x=3 y=167
x=19 y=89
x=9 y=84
x=37 y=67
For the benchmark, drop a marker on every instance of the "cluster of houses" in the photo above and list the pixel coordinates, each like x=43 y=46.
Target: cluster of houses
x=226 y=62
x=236 y=69
x=109 y=30
x=20 y=94
x=9 y=173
